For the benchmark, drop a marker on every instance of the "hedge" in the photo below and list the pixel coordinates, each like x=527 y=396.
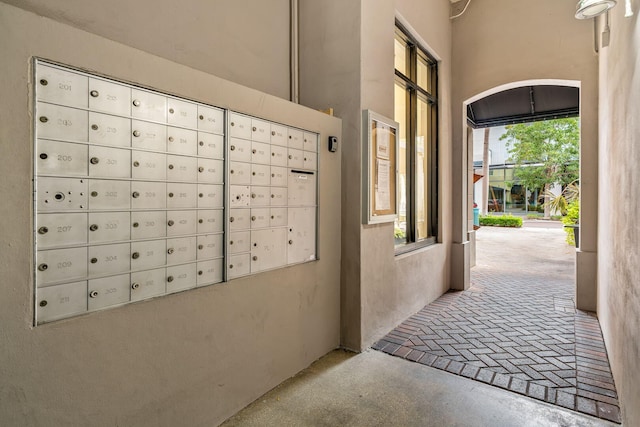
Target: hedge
x=501 y=221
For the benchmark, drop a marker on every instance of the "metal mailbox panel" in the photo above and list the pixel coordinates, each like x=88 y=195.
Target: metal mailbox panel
x=61 y=194
x=61 y=230
x=239 y=219
x=148 y=195
x=109 y=162
x=58 y=302
x=239 y=173
x=60 y=264
x=310 y=160
x=109 y=130
x=108 y=291
x=279 y=135
x=210 y=196
x=302 y=188
x=61 y=87
x=210 y=145
x=181 y=195
x=148 y=136
x=260 y=174
x=148 y=224
x=181 y=277
x=210 y=272
x=109 y=227
x=149 y=254
x=182 y=113
x=148 y=106
x=146 y=165
x=302 y=235
x=279 y=196
x=109 y=194
x=295 y=158
x=260 y=130
x=180 y=250
x=279 y=176
x=210 y=119
x=180 y=223
x=268 y=249
x=240 y=150
x=109 y=97
x=211 y=171
x=181 y=168
x=260 y=196
x=148 y=283
x=182 y=141
x=296 y=139
x=310 y=142
x=260 y=217
x=210 y=221
x=61 y=158
x=239 y=126
x=109 y=259
x=238 y=265
x=278 y=155
x=239 y=241
x=260 y=153
x=210 y=246
x=278 y=217
x=55 y=122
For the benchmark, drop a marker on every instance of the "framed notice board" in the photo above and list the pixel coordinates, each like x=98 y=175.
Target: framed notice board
x=379 y=168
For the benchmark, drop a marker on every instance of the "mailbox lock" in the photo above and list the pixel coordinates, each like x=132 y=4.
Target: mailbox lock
x=291 y=242
x=135 y=255
x=272 y=217
x=290 y=156
x=43 y=303
x=94 y=260
x=253 y=218
x=254 y=174
x=237 y=197
x=170 y=251
x=93 y=227
x=135 y=194
x=43 y=267
x=230 y=242
x=200 y=195
x=44 y=82
x=253 y=195
x=255 y=128
x=135 y=286
x=290 y=137
x=44 y=119
x=273 y=133
x=94 y=127
x=253 y=151
x=59 y=196
x=231 y=171
x=94 y=160
x=43 y=230
x=170 y=166
x=94 y=194
x=93 y=294
x=135 y=225
x=255 y=258
x=273 y=154
x=255 y=245
x=94 y=93
x=233 y=147
x=44 y=156
x=201 y=117
x=171 y=110
x=199 y=272
x=200 y=169
x=232 y=219
x=170 y=139
x=136 y=133
x=273 y=175
x=201 y=143
x=200 y=221
x=273 y=196
x=170 y=223
x=305 y=159
x=230 y=266
x=200 y=247
x=136 y=164
x=170 y=194
x=136 y=102
x=233 y=124
x=170 y=279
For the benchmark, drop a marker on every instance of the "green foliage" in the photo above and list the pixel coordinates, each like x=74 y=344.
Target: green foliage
x=560 y=202
x=572 y=217
x=398 y=233
x=533 y=215
x=501 y=221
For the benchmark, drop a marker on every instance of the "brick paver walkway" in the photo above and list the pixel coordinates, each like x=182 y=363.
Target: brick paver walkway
x=517 y=326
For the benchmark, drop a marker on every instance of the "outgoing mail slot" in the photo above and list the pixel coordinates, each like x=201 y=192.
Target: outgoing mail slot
x=109 y=227
x=310 y=142
x=240 y=150
x=61 y=87
x=302 y=188
x=109 y=259
x=260 y=196
x=278 y=196
x=239 y=126
x=109 y=97
x=279 y=176
x=296 y=139
x=260 y=153
x=310 y=160
x=278 y=217
x=108 y=291
x=181 y=113
x=61 y=194
x=239 y=241
x=146 y=165
x=210 y=246
x=279 y=135
x=260 y=174
x=239 y=173
x=210 y=145
x=109 y=162
x=211 y=171
x=260 y=217
x=148 y=254
x=260 y=130
x=181 y=277
x=295 y=158
x=148 y=283
x=181 y=250
x=181 y=168
x=64 y=123
x=278 y=155
x=238 y=265
x=210 y=272
x=268 y=249
x=60 y=264
x=210 y=119
x=61 y=230
x=181 y=195
x=109 y=130
x=58 y=302
x=210 y=221
x=210 y=196
x=109 y=194
x=182 y=141
x=239 y=219
x=148 y=136
x=61 y=158
x=302 y=235
x=148 y=224
x=180 y=223
x=148 y=195
x=148 y=106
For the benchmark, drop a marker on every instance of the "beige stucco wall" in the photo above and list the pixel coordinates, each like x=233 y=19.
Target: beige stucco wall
x=619 y=205
x=192 y=358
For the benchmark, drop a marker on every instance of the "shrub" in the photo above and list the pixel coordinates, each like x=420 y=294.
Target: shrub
x=533 y=216
x=501 y=221
x=572 y=217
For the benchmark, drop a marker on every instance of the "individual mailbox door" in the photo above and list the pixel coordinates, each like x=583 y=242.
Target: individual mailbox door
x=145 y=255
x=148 y=283
x=239 y=241
x=211 y=171
x=108 y=291
x=239 y=126
x=181 y=195
x=278 y=196
x=210 y=246
x=61 y=230
x=109 y=97
x=210 y=119
x=268 y=249
x=61 y=158
x=180 y=223
x=64 y=123
x=109 y=227
x=240 y=150
x=58 y=302
x=180 y=250
x=181 y=168
x=109 y=162
x=210 y=145
x=302 y=235
x=109 y=194
x=148 y=195
x=260 y=217
x=148 y=224
x=260 y=153
x=60 y=264
x=239 y=219
x=296 y=139
x=109 y=259
x=146 y=165
x=182 y=113
x=210 y=196
x=260 y=196
x=61 y=87
x=278 y=155
x=260 y=175
x=295 y=158
x=279 y=135
x=182 y=141
x=302 y=188
x=210 y=272
x=109 y=130
x=61 y=194
x=181 y=277
x=279 y=176
x=148 y=136
x=310 y=160
x=148 y=106
x=239 y=173
x=278 y=217
x=310 y=142
x=210 y=221
x=260 y=130
x=238 y=265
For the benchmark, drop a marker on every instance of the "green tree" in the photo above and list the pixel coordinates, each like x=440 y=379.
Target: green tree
x=544 y=153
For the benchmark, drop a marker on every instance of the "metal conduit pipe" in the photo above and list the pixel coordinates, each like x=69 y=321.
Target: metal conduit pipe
x=294 y=48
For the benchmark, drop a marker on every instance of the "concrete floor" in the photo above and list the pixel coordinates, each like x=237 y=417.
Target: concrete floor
x=375 y=389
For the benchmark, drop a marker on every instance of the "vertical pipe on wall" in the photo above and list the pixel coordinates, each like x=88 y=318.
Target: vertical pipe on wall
x=294 y=47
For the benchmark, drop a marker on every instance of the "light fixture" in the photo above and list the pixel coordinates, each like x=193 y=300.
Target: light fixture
x=587 y=9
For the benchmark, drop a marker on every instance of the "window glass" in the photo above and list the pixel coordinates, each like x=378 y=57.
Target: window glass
x=400 y=116
x=422 y=170
x=400 y=55
x=423 y=72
